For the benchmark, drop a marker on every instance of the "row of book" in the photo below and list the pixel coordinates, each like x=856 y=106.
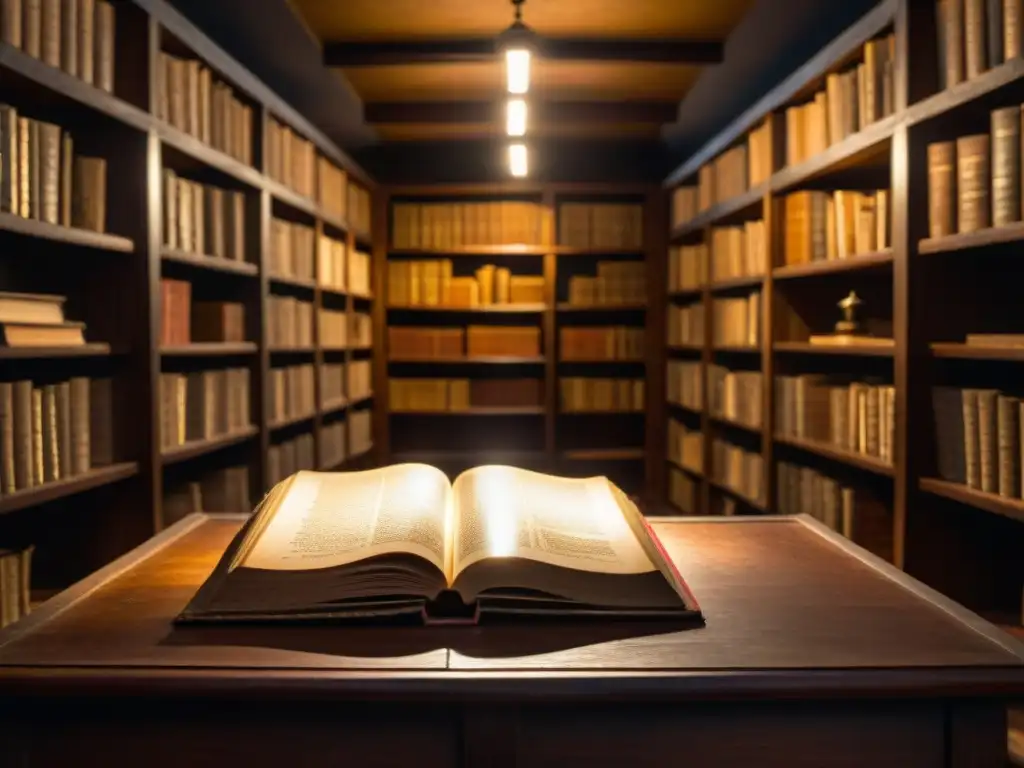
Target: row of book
x=850 y=102
x=290 y=159
x=822 y=226
x=596 y=226
x=682 y=492
x=286 y=458
x=736 y=395
x=330 y=265
x=184 y=321
x=416 y=343
x=76 y=36
x=202 y=219
x=739 y=469
x=436 y=226
x=339 y=330
x=853 y=512
x=345 y=381
x=978 y=439
x=291 y=249
x=685 y=446
x=15 y=584
x=606 y=342
x=332 y=444
x=431 y=284
x=581 y=394
x=687 y=267
x=723 y=178
x=858 y=417
x=193 y=100
x=736 y=322
x=360 y=205
x=219 y=490
x=291 y=392
x=53 y=430
x=289 y=322
x=37 y=320
x=685 y=325
x=429 y=394
x=332 y=188
x=975 y=36
x=42 y=178
x=739 y=251
x=202 y=405
x=616 y=282
x=292 y=255
x=685 y=384
x=360 y=432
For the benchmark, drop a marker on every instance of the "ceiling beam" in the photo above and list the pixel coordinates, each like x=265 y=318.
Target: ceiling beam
x=383 y=53
x=540 y=112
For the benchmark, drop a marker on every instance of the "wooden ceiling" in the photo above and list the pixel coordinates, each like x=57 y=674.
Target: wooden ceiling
x=426 y=69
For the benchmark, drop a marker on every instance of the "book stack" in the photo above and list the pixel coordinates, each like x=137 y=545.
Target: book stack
x=684 y=204
x=37 y=320
x=685 y=446
x=431 y=284
x=203 y=220
x=823 y=226
x=51 y=430
x=615 y=342
x=15 y=584
x=858 y=417
x=738 y=469
x=737 y=322
x=291 y=249
x=222 y=490
x=740 y=251
x=974 y=37
x=76 y=36
x=687 y=267
x=183 y=321
x=289 y=323
x=597 y=226
x=332 y=385
x=360 y=332
x=41 y=177
x=291 y=392
x=685 y=385
x=736 y=395
x=334 y=331
x=359 y=273
x=360 y=434
x=290 y=159
x=332 y=188
x=453 y=225
x=202 y=405
x=587 y=394
x=359 y=381
x=193 y=100
x=332 y=444
x=685 y=325
x=617 y=282
x=359 y=215
x=851 y=101
x=288 y=457
x=330 y=266
x=415 y=394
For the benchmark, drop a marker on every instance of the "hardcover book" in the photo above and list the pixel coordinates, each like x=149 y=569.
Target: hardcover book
x=404 y=542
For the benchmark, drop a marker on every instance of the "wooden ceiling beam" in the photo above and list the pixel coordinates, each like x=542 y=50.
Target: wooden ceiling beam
x=383 y=53
x=540 y=112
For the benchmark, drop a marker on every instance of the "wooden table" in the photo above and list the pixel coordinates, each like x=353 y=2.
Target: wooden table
x=815 y=654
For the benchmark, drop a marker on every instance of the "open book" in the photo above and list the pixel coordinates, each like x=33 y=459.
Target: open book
x=403 y=540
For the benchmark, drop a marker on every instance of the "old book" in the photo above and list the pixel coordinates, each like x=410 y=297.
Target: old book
x=35 y=165
x=49 y=172
x=7 y=478
x=50 y=32
x=10 y=191
x=80 y=453
x=22 y=399
x=994 y=32
x=32 y=27
x=23 y=175
x=38 y=475
x=516 y=546
x=69 y=36
x=42 y=335
x=89 y=196
x=975 y=49
x=86 y=40
x=1008 y=437
x=63 y=414
x=972 y=178
x=11 y=22
x=102 y=448
x=953 y=37
x=51 y=450
x=103 y=41
x=66 y=184
x=1006 y=204
x=1011 y=28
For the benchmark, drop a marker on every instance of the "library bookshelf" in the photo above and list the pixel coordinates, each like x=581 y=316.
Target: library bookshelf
x=145 y=122
x=457 y=337
x=926 y=292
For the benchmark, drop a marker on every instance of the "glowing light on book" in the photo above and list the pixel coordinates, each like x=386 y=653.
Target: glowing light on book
x=496 y=497
x=517 y=160
x=517 y=70
x=515 y=117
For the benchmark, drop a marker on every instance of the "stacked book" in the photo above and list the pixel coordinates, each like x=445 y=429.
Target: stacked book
x=37 y=320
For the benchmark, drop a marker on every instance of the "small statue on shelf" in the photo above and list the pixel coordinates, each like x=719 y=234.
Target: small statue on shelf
x=848 y=330
x=849 y=326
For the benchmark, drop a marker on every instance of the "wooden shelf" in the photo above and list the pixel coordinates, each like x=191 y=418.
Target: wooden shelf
x=198 y=150
x=563 y=307
x=66 y=235
x=292 y=350
x=1011 y=233
x=604 y=454
x=728 y=489
x=686 y=348
x=692 y=472
x=306 y=283
x=476 y=250
x=333 y=406
x=495 y=309
x=735 y=424
x=571 y=250
x=955 y=351
x=211 y=349
x=600 y=413
x=291 y=421
x=867 y=463
x=59 y=489
x=330 y=291
x=526 y=410
x=965 y=92
x=211 y=263
x=94 y=349
x=806 y=348
x=746 y=281
x=731 y=207
x=686 y=294
x=197 y=448
x=358 y=399
x=361 y=296
x=340 y=226
x=286 y=196
x=630 y=361
x=990 y=502
x=476 y=360
x=864 y=261
x=681 y=407
x=736 y=350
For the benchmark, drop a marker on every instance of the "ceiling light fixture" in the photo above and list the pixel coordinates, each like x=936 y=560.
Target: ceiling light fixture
x=517 y=160
x=517 y=42
x=515 y=117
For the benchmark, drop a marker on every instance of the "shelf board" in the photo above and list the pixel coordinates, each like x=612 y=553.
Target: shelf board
x=841 y=155
x=292 y=199
x=735 y=424
x=196 y=448
x=873 y=260
x=361 y=296
x=332 y=221
x=687 y=408
x=363 y=238
x=1010 y=233
x=619 y=412
x=94 y=478
x=806 y=348
x=206 y=154
x=359 y=399
x=965 y=92
x=746 y=281
x=526 y=410
x=686 y=293
x=329 y=290
x=604 y=454
x=211 y=349
x=692 y=472
x=211 y=263
x=867 y=463
x=736 y=350
x=334 y=405
x=989 y=502
x=290 y=421
x=734 y=205
x=685 y=348
x=306 y=283
x=498 y=309
x=95 y=349
x=566 y=307
x=475 y=360
x=957 y=351
x=728 y=489
x=292 y=350
x=67 y=235
x=624 y=361
x=512 y=249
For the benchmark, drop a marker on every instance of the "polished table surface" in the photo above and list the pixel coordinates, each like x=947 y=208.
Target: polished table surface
x=794 y=613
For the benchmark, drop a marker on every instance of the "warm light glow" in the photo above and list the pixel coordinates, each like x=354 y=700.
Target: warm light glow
x=517 y=160
x=515 y=118
x=495 y=491
x=517 y=69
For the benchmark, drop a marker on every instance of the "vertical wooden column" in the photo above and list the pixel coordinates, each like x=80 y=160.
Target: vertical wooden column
x=261 y=393
x=706 y=358
x=655 y=242
x=549 y=332
x=318 y=349
x=379 y=290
